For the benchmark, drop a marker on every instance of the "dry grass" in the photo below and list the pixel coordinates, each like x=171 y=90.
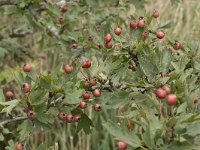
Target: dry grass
x=185 y=16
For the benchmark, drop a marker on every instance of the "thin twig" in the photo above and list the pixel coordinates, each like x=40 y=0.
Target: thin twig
x=88 y=138
x=12 y=120
x=18 y=35
x=57 y=100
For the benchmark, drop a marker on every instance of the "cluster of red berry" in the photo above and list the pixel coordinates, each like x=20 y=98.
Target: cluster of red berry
x=69 y=118
x=165 y=91
x=86 y=95
x=161 y=93
x=63 y=9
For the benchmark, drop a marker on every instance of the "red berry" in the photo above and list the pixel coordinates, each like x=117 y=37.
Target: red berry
x=74 y=46
x=83 y=105
x=171 y=99
x=19 y=146
x=97 y=107
x=166 y=88
x=160 y=93
x=77 y=118
x=118 y=31
x=69 y=118
x=86 y=95
x=160 y=35
x=99 y=45
x=96 y=93
x=63 y=9
x=121 y=145
x=141 y=23
x=68 y=68
x=156 y=14
x=61 y=116
x=9 y=95
x=108 y=38
x=133 y=24
x=109 y=45
x=195 y=100
x=86 y=64
x=92 y=82
x=90 y=37
x=31 y=115
x=27 y=68
x=61 y=20
x=26 y=87
x=144 y=36
x=89 y=64
x=177 y=46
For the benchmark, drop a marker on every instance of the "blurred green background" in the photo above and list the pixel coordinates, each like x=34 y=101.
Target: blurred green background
x=181 y=16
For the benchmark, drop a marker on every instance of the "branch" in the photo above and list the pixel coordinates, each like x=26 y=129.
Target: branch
x=15 y=35
x=57 y=100
x=41 y=9
x=12 y=120
x=36 y=18
x=6 y=2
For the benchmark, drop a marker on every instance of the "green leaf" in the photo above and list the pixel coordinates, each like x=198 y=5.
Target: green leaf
x=148 y=138
x=32 y=75
x=42 y=146
x=171 y=122
x=11 y=145
x=166 y=25
x=138 y=4
x=165 y=60
x=196 y=65
x=46 y=82
x=3 y=52
x=1 y=137
x=131 y=139
x=73 y=97
x=9 y=106
x=148 y=68
x=175 y=2
x=6 y=131
x=180 y=65
x=53 y=111
x=119 y=99
x=193 y=129
x=45 y=118
x=85 y=124
x=25 y=129
x=2 y=98
x=182 y=108
x=38 y=96
x=180 y=145
x=34 y=23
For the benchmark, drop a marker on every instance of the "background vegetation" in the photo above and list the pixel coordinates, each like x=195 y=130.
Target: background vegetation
x=30 y=33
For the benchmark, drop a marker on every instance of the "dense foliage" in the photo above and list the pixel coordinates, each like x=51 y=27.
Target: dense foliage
x=94 y=75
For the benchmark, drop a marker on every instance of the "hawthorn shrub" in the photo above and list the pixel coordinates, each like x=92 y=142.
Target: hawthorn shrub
x=94 y=80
